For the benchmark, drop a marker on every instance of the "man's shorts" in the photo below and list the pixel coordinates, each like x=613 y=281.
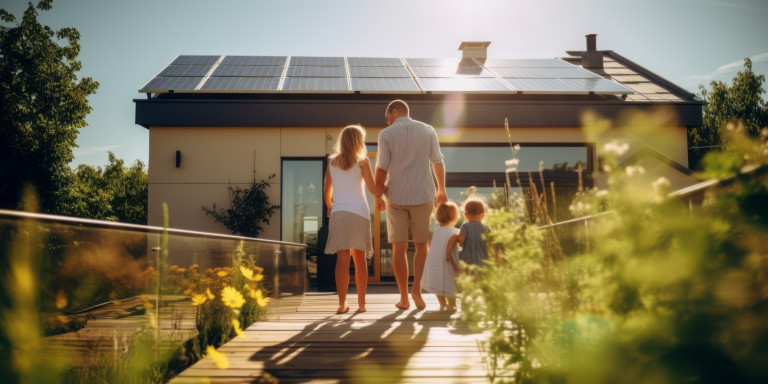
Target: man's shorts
x=399 y=216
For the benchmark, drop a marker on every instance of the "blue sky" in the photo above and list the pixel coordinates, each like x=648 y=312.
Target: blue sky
x=126 y=42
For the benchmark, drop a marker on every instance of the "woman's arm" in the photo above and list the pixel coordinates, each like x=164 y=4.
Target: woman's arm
x=373 y=188
x=328 y=191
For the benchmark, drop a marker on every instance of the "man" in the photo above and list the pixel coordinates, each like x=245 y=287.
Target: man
x=408 y=153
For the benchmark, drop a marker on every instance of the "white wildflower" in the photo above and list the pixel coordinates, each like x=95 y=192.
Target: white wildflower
x=633 y=170
x=661 y=185
x=616 y=148
x=512 y=162
x=541 y=166
x=602 y=193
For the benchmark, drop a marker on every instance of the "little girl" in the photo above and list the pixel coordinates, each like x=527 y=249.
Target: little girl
x=349 y=228
x=441 y=266
x=470 y=237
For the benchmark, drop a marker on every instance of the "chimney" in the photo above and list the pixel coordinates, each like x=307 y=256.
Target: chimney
x=592 y=58
x=474 y=49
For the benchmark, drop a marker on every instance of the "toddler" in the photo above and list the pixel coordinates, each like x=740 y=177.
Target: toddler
x=441 y=266
x=470 y=236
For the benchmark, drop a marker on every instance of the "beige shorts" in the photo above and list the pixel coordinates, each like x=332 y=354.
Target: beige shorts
x=399 y=216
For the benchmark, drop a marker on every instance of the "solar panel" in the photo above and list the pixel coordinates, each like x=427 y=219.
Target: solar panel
x=254 y=60
x=248 y=71
x=312 y=71
x=164 y=84
x=416 y=62
x=379 y=72
x=316 y=84
x=451 y=71
x=318 y=61
x=392 y=84
x=462 y=84
x=374 y=62
x=241 y=84
x=196 y=60
x=566 y=86
x=527 y=63
x=545 y=73
x=186 y=70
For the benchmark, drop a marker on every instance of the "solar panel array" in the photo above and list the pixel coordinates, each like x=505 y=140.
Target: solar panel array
x=308 y=74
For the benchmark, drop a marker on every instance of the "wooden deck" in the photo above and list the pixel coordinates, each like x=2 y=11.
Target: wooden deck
x=304 y=341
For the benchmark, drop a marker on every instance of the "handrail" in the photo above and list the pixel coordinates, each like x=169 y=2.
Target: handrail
x=136 y=227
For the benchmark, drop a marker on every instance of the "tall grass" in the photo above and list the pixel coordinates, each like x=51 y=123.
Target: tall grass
x=664 y=293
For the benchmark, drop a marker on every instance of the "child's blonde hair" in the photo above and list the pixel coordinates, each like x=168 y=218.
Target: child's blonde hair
x=350 y=148
x=474 y=207
x=447 y=213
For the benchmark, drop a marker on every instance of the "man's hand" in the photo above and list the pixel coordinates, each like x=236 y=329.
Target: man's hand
x=330 y=206
x=441 y=197
x=379 y=204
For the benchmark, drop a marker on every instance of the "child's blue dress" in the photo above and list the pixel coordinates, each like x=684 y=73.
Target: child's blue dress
x=474 y=250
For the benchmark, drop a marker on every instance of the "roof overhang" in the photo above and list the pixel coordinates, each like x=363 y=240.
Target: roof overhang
x=332 y=110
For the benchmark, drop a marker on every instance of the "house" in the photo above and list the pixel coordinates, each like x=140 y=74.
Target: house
x=215 y=121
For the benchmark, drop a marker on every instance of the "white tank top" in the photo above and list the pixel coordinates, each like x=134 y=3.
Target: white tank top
x=349 y=190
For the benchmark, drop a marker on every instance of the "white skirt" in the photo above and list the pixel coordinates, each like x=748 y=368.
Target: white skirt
x=347 y=230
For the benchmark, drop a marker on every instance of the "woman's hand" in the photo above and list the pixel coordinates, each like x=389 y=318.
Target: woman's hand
x=379 y=204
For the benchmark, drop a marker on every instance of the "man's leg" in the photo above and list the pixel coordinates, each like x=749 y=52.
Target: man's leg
x=418 y=270
x=400 y=265
x=420 y=215
x=397 y=233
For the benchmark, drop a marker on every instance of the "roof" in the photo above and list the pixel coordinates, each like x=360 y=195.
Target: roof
x=377 y=75
x=334 y=91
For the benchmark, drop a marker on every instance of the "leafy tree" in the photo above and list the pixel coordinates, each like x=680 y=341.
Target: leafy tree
x=249 y=208
x=43 y=105
x=116 y=192
x=741 y=102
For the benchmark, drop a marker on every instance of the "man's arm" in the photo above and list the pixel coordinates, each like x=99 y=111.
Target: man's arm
x=439 y=170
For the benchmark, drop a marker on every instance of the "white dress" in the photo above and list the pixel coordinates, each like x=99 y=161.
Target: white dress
x=438 y=275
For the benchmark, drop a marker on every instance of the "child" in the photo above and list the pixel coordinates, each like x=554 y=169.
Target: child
x=470 y=237
x=349 y=228
x=441 y=266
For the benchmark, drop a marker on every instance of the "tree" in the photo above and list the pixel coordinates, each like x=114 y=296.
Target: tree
x=43 y=105
x=742 y=102
x=116 y=192
x=249 y=208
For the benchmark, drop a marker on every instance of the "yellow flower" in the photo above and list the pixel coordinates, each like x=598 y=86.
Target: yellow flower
x=258 y=269
x=208 y=292
x=199 y=299
x=61 y=300
x=222 y=273
x=238 y=330
x=260 y=299
x=232 y=298
x=247 y=273
x=219 y=358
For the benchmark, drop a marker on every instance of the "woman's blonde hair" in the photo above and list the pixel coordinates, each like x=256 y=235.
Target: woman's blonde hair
x=350 y=148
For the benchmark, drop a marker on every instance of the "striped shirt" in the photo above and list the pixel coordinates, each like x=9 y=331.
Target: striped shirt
x=407 y=149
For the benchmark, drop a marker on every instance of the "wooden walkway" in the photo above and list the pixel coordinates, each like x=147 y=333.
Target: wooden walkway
x=304 y=341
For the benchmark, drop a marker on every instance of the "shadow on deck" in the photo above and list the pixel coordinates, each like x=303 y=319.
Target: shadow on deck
x=304 y=341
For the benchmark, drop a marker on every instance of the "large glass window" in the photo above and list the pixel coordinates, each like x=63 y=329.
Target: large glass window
x=302 y=201
x=492 y=158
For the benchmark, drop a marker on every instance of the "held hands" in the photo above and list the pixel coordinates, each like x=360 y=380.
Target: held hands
x=379 y=204
x=441 y=197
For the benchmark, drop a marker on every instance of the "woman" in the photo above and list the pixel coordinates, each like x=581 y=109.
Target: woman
x=349 y=232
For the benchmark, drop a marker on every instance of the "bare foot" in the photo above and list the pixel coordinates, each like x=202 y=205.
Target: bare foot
x=418 y=300
x=401 y=306
x=342 y=309
x=361 y=309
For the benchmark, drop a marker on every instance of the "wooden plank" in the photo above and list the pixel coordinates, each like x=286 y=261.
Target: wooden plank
x=304 y=340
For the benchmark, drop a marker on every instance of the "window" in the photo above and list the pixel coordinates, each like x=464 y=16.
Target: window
x=302 y=201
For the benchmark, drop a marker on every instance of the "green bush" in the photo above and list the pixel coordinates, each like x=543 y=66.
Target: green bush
x=663 y=293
